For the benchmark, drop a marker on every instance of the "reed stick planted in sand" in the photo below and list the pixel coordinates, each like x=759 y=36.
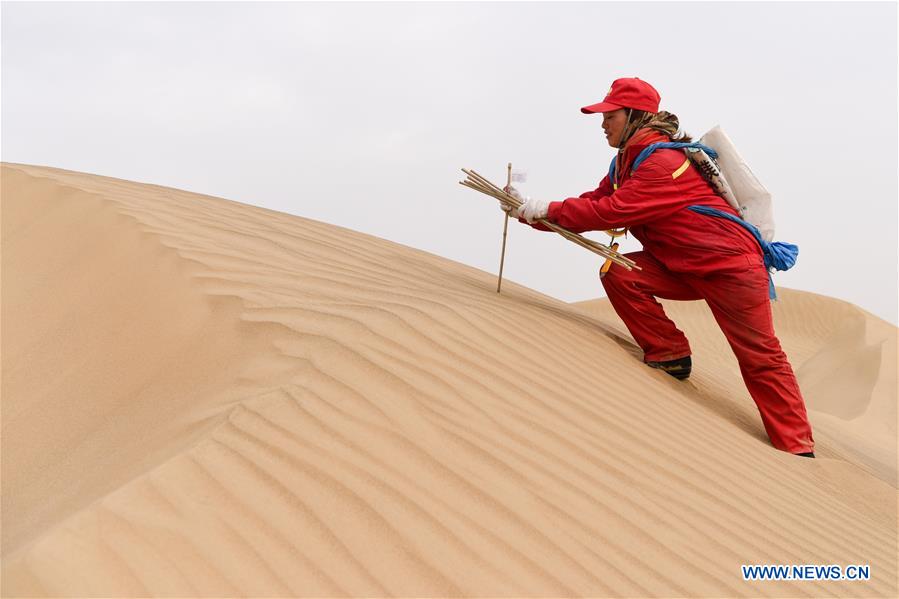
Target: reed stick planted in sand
x=480 y=183
x=502 y=256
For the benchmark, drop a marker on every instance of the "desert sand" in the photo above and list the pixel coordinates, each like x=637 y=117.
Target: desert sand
x=205 y=398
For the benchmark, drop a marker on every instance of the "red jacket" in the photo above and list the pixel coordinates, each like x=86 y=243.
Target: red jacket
x=652 y=202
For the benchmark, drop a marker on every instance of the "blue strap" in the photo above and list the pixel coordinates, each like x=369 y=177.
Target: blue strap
x=674 y=145
x=779 y=255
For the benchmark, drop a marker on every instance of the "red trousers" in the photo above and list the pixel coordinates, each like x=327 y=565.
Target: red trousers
x=738 y=299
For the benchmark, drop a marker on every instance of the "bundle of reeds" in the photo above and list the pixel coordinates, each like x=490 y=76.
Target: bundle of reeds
x=479 y=183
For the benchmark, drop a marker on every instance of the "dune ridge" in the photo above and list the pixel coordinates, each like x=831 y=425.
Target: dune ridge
x=205 y=398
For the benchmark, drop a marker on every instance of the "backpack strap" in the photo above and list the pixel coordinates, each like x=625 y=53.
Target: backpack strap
x=648 y=150
x=673 y=145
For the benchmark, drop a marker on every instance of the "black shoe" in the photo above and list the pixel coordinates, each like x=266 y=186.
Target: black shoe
x=679 y=369
x=807 y=454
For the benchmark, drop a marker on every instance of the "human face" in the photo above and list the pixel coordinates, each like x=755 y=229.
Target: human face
x=613 y=124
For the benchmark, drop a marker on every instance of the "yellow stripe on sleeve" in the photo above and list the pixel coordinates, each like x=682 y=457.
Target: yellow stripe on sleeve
x=680 y=170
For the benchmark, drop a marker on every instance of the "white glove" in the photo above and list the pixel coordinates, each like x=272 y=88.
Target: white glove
x=533 y=210
x=507 y=208
x=514 y=193
x=513 y=212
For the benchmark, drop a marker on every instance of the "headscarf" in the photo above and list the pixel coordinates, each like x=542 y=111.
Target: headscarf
x=662 y=121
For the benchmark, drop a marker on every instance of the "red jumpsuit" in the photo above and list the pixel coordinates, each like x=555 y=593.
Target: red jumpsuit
x=690 y=256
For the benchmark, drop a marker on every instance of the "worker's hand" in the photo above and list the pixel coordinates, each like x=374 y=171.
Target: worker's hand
x=507 y=208
x=514 y=193
x=533 y=210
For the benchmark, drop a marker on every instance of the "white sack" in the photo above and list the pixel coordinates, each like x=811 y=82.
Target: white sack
x=754 y=199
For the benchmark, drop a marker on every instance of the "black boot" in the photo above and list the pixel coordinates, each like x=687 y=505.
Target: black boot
x=679 y=369
x=807 y=454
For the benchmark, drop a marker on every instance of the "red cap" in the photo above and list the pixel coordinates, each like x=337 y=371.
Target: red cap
x=629 y=92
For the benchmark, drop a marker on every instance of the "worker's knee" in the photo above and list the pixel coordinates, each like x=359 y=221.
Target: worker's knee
x=764 y=360
x=616 y=277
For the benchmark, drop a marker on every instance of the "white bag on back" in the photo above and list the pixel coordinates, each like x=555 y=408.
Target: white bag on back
x=753 y=198
x=711 y=172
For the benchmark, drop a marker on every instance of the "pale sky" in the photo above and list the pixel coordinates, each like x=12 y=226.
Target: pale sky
x=363 y=114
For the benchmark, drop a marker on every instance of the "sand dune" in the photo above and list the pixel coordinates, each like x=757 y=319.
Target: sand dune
x=205 y=398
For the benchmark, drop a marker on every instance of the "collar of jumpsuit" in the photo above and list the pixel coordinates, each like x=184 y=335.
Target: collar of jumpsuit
x=636 y=144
